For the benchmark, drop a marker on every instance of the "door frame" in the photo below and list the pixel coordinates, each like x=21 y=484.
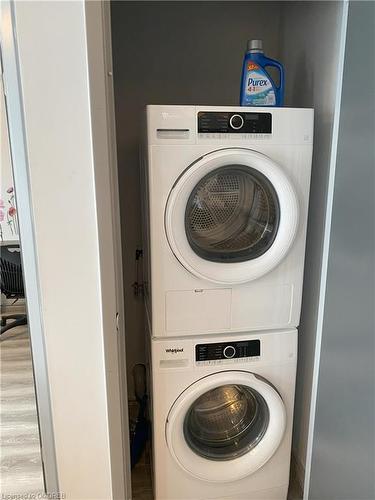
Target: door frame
x=99 y=44
x=20 y=164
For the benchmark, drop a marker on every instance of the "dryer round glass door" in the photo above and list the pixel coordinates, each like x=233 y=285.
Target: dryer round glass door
x=226 y=426
x=231 y=216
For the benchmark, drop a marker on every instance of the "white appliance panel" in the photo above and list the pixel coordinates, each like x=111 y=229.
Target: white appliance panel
x=182 y=369
x=273 y=299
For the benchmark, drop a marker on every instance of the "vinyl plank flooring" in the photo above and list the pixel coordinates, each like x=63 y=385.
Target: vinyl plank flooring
x=141 y=482
x=20 y=457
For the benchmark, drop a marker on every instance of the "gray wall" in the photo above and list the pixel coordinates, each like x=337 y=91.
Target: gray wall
x=311 y=52
x=344 y=443
x=173 y=53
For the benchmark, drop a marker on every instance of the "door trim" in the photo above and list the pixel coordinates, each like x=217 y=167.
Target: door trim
x=99 y=53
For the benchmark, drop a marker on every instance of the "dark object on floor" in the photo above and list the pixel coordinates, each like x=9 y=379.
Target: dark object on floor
x=141 y=432
x=11 y=284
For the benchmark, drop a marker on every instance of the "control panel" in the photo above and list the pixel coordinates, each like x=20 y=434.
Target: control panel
x=227 y=350
x=233 y=123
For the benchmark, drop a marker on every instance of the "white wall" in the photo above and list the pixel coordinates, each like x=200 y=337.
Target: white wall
x=342 y=437
x=9 y=230
x=70 y=190
x=8 y=219
x=173 y=53
x=312 y=54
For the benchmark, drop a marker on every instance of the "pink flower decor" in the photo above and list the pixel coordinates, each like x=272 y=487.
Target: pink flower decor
x=8 y=214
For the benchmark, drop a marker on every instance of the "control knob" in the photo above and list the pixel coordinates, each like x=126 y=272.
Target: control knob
x=236 y=122
x=229 y=351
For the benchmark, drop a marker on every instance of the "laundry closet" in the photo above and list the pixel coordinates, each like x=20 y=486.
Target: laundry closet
x=190 y=53
x=77 y=78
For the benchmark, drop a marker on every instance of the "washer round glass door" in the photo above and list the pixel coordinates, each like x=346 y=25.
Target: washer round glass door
x=226 y=426
x=231 y=216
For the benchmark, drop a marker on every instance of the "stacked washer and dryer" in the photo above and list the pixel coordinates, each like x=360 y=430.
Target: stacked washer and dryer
x=225 y=214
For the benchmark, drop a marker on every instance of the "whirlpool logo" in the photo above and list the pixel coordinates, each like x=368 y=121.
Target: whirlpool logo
x=175 y=350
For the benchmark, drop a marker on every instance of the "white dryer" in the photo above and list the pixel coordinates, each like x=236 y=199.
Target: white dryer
x=222 y=413
x=225 y=219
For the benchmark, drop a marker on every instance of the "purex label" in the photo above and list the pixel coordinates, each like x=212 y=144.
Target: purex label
x=259 y=90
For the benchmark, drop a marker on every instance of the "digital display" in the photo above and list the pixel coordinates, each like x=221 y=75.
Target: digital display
x=252 y=116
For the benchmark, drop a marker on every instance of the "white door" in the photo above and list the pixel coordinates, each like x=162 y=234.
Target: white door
x=231 y=216
x=72 y=271
x=226 y=426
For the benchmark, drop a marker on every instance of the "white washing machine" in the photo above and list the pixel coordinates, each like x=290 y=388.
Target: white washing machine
x=227 y=194
x=222 y=413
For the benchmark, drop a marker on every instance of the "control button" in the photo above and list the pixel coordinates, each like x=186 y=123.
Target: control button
x=229 y=351
x=236 y=122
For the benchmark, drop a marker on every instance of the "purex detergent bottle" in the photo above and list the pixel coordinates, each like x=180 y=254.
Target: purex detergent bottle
x=257 y=86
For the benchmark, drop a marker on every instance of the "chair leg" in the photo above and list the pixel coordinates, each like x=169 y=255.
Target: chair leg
x=18 y=320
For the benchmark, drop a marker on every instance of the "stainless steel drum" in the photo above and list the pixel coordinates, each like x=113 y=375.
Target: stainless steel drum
x=232 y=215
x=226 y=422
